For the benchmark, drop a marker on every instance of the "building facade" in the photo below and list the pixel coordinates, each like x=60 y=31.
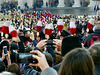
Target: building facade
x=55 y=3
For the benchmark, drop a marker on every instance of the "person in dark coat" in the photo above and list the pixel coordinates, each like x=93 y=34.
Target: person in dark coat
x=94 y=51
x=90 y=36
x=14 y=52
x=21 y=45
x=64 y=34
x=55 y=21
x=68 y=44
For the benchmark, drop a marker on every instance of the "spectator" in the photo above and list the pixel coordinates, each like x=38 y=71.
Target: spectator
x=14 y=52
x=28 y=41
x=25 y=5
x=34 y=6
x=50 y=3
x=46 y=4
x=14 y=68
x=91 y=36
x=59 y=43
x=94 y=51
x=7 y=58
x=2 y=66
x=49 y=59
x=77 y=62
x=4 y=43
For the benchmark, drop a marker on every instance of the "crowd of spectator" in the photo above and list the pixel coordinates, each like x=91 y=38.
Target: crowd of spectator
x=70 y=51
x=9 y=5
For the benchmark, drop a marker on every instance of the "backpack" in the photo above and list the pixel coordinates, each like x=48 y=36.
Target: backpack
x=94 y=39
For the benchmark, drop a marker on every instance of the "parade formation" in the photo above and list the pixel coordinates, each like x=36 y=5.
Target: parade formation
x=43 y=43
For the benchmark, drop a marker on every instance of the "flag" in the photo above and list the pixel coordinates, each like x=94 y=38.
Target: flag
x=5 y=27
x=97 y=8
x=60 y=24
x=39 y=26
x=48 y=29
x=12 y=31
x=90 y=24
x=72 y=26
x=28 y=16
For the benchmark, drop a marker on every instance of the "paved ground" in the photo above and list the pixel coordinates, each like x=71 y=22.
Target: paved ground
x=68 y=10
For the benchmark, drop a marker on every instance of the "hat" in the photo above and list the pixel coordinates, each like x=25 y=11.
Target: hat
x=58 y=15
x=70 y=43
x=14 y=46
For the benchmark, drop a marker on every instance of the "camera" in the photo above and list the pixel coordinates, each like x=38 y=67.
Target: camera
x=23 y=58
x=26 y=58
x=5 y=50
x=50 y=42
